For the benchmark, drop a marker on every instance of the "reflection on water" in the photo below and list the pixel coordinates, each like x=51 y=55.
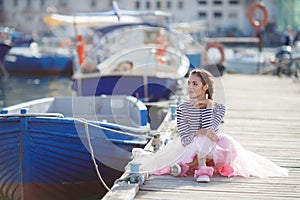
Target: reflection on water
x=17 y=89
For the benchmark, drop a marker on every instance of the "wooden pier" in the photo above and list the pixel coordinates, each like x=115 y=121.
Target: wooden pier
x=263 y=114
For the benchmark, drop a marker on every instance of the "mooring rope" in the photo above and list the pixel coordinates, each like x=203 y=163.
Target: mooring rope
x=86 y=126
x=87 y=133
x=111 y=129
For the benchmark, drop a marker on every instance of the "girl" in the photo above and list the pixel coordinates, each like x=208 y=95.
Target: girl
x=200 y=147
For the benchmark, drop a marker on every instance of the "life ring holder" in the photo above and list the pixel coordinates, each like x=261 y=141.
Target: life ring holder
x=252 y=9
x=218 y=46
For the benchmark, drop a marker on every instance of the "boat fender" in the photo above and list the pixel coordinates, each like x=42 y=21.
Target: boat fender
x=162 y=45
x=251 y=11
x=80 y=49
x=218 y=46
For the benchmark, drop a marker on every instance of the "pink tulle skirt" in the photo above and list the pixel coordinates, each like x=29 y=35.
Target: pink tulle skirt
x=229 y=158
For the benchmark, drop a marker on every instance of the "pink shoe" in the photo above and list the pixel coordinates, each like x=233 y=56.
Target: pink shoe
x=179 y=169
x=203 y=173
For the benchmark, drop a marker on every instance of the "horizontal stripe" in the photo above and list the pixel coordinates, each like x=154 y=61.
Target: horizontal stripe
x=190 y=119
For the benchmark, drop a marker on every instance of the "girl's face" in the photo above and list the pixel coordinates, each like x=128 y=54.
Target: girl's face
x=195 y=87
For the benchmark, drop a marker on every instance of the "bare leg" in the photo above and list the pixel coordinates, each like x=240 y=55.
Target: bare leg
x=194 y=163
x=210 y=162
x=201 y=162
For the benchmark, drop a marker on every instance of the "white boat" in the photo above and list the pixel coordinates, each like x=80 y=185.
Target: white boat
x=134 y=61
x=244 y=61
x=139 y=57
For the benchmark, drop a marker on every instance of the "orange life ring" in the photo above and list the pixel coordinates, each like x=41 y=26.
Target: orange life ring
x=80 y=49
x=263 y=8
x=162 y=43
x=218 y=46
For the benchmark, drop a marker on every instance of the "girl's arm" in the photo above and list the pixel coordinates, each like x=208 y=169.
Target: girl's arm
x=211 y=120
x=209 y=133
x=183 y=127
x=212 y=117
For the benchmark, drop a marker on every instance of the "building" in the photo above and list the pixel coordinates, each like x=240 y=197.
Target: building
x=223 y=17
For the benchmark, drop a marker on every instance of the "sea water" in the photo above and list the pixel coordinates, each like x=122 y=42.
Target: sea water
x=18 y=89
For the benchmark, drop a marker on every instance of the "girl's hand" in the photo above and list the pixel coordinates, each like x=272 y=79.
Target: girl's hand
x=209 y=133
x=205 y=103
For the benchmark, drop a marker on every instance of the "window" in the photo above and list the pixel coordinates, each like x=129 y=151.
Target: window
x=169 y=4
x=218 y=2
x=137 y=5
x=202 y=2
x=148 y=5
x=16 y=3
x=202 y=14
x=234 y=2
x=180 y=4
x=158 y=5
x=28 y=3
x=93 y=3
x=217 y=14
x=63 y=3
x=42 y=3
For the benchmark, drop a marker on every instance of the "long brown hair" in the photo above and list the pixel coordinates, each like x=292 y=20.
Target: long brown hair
x=206 y=78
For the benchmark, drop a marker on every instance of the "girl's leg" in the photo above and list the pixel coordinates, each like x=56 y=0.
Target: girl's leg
x=201 y=162
x=204 y=172
x=209 y=162
x=194 y=163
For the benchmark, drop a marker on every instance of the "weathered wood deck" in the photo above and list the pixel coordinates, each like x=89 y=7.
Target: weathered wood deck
x=263 y=114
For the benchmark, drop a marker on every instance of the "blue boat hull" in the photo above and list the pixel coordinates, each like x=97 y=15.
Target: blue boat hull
x=155 y=89
x=49 y=158
x=43 y=66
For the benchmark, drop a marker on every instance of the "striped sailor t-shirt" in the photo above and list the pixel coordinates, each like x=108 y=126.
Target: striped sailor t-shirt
x=190 y=119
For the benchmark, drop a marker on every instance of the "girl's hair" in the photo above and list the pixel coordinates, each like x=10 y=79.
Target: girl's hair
x=206 y=78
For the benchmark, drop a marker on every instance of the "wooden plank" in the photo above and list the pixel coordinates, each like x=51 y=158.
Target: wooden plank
x=121 y=192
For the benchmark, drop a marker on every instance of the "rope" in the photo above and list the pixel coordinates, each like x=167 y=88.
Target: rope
x=86 y=126
x=110 y=129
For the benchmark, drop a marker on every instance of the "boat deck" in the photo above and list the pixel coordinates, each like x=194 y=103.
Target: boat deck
x=263 y=114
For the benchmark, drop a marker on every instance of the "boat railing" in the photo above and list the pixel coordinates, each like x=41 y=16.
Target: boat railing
x=121 y=109
x=118 y=38
x=31 y=115
x=143 y=57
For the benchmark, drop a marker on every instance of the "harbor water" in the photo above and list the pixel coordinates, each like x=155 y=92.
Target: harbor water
x=18 y=89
